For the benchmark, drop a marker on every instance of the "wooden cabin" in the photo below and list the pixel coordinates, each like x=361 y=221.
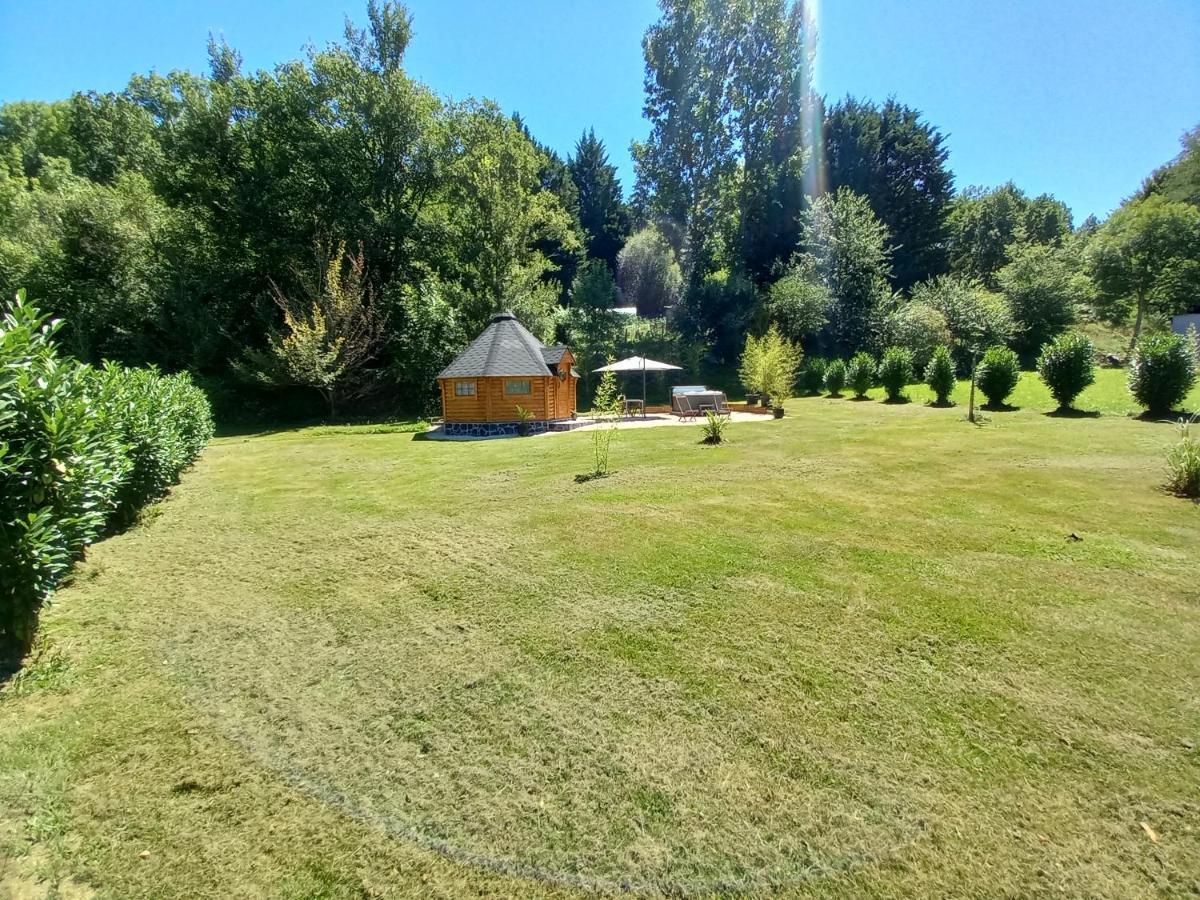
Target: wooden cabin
x=503 y=368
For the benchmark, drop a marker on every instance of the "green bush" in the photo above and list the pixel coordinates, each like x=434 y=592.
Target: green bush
x=712 y=429
x=997 y=375
x=1067 y=366
x=939 y=374
x=835 y=377
x=812 y=377
x=896 y=372
x=860 y=374
x=1162 y=371
x=80 y=450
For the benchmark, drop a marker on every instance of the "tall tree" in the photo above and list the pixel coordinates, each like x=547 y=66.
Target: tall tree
x=1041 y=285
x=772 y=112
x=689 y=152
x=331 y=331
x=729 y=98
x=566 y=251
x=649 y=274
x=1147 y=255
x=984 y=224
x=602 y=212
x=898 y=162
x=497 y=217
x=848 y=248
x=1179 y=180
x=593 y=324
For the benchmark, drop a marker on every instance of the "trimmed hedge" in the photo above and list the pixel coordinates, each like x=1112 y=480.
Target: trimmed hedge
x=835 y=377
x=1067 y=365
x=939 y=375
x=997 y=375
x=812 y=377
x=1162 y=371
x=860 y=373
x=81 y=450
x=896 y=372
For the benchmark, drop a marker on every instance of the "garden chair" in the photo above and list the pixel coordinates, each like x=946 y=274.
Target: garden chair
x=683 y=407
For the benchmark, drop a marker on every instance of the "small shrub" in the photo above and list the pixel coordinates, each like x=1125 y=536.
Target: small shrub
x=606 y=408
x=1067 y=366
x=812 y=378
x=713 y=428
x=524 y=417
x=860 y=374
x=939 y=375
x=1183 y=462
x=1162 y=371
x=896 y=372
x=835 y=377
x=997 y=375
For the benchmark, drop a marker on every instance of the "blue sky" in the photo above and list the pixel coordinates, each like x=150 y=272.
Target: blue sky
x=1081 y=98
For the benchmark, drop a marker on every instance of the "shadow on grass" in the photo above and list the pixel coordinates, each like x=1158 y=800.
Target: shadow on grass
x=1000 y=407
x=1070 y=412
x=367 y=425
x=861 y=399
x=1171 y=418
x=896 y=401
x=13 y=652
x=590 y=476
x=949 y=404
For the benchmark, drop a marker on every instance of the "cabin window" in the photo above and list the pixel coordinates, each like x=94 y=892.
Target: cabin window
x=517 y=386
x=464 y=389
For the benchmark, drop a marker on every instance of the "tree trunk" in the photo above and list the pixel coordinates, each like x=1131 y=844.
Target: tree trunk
x=1137 y=322
x=971 y=401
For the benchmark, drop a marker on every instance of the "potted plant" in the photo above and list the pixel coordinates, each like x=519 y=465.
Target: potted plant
x=750 y=370
x=781 y=361
x=524 y=417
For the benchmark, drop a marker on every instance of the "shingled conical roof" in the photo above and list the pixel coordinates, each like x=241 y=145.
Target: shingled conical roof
x=506 y=349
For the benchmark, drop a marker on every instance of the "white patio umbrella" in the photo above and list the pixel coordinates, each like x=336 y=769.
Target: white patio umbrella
x=639 y=364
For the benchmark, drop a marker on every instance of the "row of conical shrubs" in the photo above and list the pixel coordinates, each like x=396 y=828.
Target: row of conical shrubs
x=1162 y=371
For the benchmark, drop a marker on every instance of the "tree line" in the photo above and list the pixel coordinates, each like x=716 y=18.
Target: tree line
x=336 y=225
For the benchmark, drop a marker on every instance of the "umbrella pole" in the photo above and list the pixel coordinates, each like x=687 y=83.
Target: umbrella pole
x=643 y=388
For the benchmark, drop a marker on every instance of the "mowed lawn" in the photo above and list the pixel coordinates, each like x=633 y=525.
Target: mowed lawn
x=867 y=649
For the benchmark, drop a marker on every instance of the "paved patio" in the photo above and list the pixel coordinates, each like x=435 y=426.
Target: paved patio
x=584 y=423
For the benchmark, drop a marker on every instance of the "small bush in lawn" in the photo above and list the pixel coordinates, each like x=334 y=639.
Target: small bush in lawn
x=997 y=375
x=713 y=428
x=1162 y=371
x=939 y=375
x=1067 y=366
x=896 y=372
x=1183 y=462
x=812 y=378
x=860 y=374
x=835 y=377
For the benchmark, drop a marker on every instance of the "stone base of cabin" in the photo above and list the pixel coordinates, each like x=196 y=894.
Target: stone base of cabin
x=506 y=429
